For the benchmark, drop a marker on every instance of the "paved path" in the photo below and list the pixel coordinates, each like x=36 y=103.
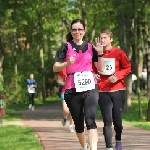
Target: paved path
x=46 y=122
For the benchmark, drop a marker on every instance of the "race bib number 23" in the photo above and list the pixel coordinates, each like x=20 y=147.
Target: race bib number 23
x=109 y=66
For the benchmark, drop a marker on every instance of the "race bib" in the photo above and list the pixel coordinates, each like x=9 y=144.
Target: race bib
x=109 y=66
x=84 y=81
x=31 y=90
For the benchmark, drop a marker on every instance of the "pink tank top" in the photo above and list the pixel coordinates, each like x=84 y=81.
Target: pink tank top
x=83 y=62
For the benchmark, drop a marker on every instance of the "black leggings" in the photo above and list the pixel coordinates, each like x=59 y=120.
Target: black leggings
x=111 y=106
x=31 y=98
x=83 y=105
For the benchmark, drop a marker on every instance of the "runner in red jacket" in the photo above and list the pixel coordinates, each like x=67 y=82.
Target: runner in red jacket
x=112 y=88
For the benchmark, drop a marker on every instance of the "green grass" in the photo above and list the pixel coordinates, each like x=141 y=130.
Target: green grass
x=13 y=108
x=12 y=117
x=131 y=115
x=18 y=138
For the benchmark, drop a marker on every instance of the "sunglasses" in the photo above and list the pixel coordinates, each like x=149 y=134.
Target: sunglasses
x=75 y=30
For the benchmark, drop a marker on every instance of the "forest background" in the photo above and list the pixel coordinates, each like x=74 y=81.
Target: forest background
x=31 y=31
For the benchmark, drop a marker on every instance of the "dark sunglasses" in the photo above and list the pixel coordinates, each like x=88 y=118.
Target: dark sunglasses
x=75 y=30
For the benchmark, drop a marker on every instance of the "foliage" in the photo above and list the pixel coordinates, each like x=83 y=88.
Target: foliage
x=27 y=27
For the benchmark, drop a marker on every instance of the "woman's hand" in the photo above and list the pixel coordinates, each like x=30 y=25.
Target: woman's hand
x=71 y=60
x=99 y=46
x=31 y=86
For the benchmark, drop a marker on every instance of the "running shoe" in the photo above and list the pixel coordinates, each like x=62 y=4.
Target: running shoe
x=33 y=107
x=30 y=106
x=71 y=129
x=118 y=146
x=64 y=121
x=84 y=148
x=88 y=146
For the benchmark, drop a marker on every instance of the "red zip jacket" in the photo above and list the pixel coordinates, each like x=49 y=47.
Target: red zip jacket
x=122 y=69
x=63 y=75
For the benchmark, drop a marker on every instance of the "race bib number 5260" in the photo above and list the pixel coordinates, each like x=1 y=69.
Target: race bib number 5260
x=84 y=81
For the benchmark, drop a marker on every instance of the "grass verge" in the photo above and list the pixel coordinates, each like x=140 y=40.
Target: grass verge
x=18 y=138
x=131 y=115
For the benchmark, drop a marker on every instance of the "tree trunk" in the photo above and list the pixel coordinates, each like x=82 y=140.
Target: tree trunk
x=124 y=24
x=146 y=55
x=1 y=53
x=15 y=70
x=148 y=84
x=84 y=17
x=128 y=82
x=43 y=76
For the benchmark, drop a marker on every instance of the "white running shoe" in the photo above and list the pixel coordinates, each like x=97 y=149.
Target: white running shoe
x=30 y=106
x=71 y=129
x=88 y=146
x=33 y=108
x=84 y=148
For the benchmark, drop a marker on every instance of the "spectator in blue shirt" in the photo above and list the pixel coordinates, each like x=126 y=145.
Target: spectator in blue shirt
x=31 y=85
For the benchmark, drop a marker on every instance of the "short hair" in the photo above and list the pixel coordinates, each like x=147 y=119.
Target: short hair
x=107 y=31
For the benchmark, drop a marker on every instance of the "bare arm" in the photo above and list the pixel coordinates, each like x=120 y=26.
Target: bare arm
x=100 y=64
x=58 y=66
x=60 y=81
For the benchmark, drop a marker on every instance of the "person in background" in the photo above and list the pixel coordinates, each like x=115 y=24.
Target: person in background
x=144 y=79
x=31 y=85
x=61 y=80
x=134 y=78
x=112 y=89
x=2 y=98
x=81 y=94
